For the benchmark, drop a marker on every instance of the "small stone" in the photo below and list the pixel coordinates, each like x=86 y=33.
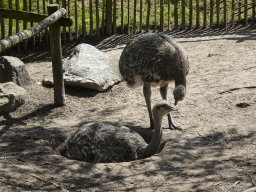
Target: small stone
x=11 y=97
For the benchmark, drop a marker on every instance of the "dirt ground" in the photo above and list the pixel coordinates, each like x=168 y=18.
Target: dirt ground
x=216 y=151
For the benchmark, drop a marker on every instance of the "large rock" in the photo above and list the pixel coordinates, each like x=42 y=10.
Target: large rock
x=90 y=68
x=11 y=97
x=13 y=69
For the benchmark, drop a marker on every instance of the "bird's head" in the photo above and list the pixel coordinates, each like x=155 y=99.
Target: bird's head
x=163 y=107
x=179 y=93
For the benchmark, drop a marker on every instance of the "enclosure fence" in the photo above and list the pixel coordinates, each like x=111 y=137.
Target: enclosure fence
x=54 y=21
x=98 y=17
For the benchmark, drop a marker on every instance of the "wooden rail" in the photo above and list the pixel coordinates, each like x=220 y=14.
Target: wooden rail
x=28 y=33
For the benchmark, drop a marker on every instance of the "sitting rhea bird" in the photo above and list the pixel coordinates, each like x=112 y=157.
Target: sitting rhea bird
x=155 y=59
x=105 y=143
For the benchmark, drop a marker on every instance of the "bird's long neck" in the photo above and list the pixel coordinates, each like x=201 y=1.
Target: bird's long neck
x=180 y=81
x=154 y=144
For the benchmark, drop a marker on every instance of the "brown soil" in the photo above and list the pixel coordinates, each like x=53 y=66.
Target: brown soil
x=216 y=151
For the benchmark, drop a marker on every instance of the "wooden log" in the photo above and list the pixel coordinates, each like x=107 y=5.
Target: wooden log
x=56 y=52
x=26 y=34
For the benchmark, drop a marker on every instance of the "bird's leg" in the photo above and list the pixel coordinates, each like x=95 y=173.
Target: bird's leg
x=147 y=95
x=163 y=92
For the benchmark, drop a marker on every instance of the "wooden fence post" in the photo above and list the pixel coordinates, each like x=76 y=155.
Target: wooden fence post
x=183 y=23
x=17 y=22
x=32 y=24
x=114 y=16
x=134 y=16
x=175 y=14
x=109 y=17
x=2 y=22
x=141 y=16
x=211 y=12
x=128 y=10
x=148 y=15
x=253 y=12
x=10 y=20
x=245 y=13
x=122 y=16
x=161 y=15
x=197 y=15
x=91 y=19
x=69 y=28
x=25 y=24
x=225 y=13
x=97 y=18
x=64 y=5
x=205 y=14
x=57 y=68
x=76 y=19
x=83 y=20
x=218 y=12
x=169 y=14
x=190 y=14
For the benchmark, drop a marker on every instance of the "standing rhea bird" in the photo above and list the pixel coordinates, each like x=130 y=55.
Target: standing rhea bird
x=103 y=142
x=155 y=59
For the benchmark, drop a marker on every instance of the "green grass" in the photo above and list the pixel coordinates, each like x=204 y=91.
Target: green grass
x=152 y=15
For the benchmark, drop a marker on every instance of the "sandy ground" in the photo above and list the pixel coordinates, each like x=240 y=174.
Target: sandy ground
x=216 y=151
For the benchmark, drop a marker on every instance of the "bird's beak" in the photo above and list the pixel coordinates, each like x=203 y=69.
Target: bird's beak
x=174 y=108
x=176 y=101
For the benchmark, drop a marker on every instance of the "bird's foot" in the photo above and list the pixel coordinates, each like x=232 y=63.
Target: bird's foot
x=175 y=127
